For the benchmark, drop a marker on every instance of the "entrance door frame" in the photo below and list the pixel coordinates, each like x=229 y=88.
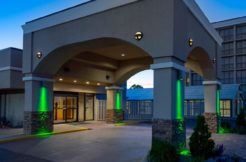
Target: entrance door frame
x=68 y=94
x=93 y=118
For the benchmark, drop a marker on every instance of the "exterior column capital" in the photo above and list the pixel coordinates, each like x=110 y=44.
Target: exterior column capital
x=166 y=65
x=114 y=88
x=211 y=82
x=37 y=78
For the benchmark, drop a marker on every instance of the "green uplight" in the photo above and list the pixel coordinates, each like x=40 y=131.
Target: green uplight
x=43 y=105
x=179 y=114
x=219 y=129
x=185 y=152
x=118 y=101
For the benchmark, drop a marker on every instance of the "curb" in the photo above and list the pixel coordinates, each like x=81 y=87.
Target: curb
x=14 y=139
x=127 y=123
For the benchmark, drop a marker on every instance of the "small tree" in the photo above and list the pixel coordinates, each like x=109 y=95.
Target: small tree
x=136 y=86
x=201 y=144
x=241 y=122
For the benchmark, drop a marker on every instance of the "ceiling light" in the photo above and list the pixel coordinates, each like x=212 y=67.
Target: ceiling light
x=75 y=81
x=60 y=79
x=123 y=55
x=87 y=82
x=98 y=84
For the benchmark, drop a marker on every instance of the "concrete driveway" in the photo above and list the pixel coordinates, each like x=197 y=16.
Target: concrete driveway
x=105 y=143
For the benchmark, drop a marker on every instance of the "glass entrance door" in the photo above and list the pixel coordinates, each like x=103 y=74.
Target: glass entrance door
x=89 y=107
x=65 y=108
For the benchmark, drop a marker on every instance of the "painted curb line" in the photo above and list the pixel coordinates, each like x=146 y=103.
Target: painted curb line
x=14 y=139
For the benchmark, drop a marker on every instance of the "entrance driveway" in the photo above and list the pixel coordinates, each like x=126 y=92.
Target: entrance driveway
x=104 y=143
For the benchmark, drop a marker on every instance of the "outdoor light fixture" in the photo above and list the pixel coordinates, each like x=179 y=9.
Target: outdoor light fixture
x=60 y=79
x=39 y=55
x=87 y=82
x=191 y=42
x=214 y=60
x=98 y=84
x=123 y=55
x=75 y=81
x=138 y=36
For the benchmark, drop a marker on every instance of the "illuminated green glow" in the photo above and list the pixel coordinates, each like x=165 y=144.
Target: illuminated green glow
x=185 y=152
x=43 y=104
x=179 y=114
x=219 y=129
x=118 y=101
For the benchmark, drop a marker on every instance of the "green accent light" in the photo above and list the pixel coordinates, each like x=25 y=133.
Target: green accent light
x=118 y=101
x=179 y=114
x=185 y=152
x=219 y=128
x=43 y=105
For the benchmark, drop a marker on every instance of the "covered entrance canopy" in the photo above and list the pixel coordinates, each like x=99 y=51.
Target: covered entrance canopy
x=106 y=42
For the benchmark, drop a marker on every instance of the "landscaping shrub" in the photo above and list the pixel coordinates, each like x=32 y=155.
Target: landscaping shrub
x=241 y=123
x=4 y=123
x=162 y=151
x=226 y=127
x=201 y=144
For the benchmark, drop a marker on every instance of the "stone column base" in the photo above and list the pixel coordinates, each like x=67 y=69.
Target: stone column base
x=172 y=131
x=38 y=122
x=212 y=121
x=114 y=116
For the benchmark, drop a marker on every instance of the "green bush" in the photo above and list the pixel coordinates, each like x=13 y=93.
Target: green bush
x=241 y=122
x=201 y=144
x=162 y=151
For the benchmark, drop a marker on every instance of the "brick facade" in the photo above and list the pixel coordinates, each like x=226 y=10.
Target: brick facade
x=212 y=121
x=38 y=122
x=172 y=131
x=113 y=116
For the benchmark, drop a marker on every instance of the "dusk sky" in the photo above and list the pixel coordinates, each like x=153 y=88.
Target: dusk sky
x=14 y=13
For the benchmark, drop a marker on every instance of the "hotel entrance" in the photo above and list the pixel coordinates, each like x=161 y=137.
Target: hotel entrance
x=65 y=108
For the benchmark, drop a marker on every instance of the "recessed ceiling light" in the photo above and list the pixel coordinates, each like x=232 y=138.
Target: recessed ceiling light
x=60 y=79
x=75 y=81
x=98 y=84
x=123 y=55
x=87 y=82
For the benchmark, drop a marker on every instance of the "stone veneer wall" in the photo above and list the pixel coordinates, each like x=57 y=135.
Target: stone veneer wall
x=212 y=121
x=38 y=122
x=172 y=131
x=113 y=116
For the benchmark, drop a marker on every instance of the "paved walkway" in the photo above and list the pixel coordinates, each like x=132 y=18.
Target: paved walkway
x=104 y=143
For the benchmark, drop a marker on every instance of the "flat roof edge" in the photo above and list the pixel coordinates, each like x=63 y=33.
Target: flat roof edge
x=229 y=22
x=73 y=13
x=197 y=12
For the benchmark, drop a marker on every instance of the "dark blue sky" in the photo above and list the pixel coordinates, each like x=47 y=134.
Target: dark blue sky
x=14 y=13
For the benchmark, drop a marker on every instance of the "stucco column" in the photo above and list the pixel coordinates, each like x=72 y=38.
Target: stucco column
x=212 y=104
x=38 y=112
x=168 y=118
x=114 y=112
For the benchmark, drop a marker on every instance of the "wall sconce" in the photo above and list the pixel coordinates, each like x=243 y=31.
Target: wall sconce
x=138 y=36
x=191 y=42
x=39 y=55
x=214 y=60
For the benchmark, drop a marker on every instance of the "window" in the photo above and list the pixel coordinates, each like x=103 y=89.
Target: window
x=227 y=34
x=227 y=49
x=241 y=47
x=196 y=79
x=225 y=108
x=227 y=63
x=227 y=77
x=193 y=108
x=241 y=62
x=241 y=76
x=241 y=32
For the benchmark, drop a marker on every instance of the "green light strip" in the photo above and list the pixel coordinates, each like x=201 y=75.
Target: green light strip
x=43 y=105
x=179 y=114
x=118 y=101
x=218 y=102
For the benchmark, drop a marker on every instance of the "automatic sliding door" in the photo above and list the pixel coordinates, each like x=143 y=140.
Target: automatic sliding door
x=89 y=107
